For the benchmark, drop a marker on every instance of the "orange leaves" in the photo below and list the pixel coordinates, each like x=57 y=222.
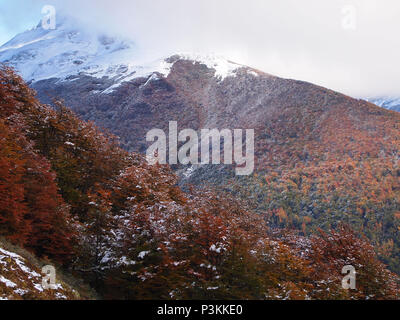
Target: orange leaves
x=14 y=92
x=29 y=198
x=281 y=214
x=331 y=252
x=32 y=213
x=12 y=190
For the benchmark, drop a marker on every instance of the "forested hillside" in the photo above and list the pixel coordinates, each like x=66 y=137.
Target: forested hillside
x=321 y=157
x=70 y=194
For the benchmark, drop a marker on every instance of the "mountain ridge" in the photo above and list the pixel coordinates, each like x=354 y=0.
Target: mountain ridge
x=73 y=49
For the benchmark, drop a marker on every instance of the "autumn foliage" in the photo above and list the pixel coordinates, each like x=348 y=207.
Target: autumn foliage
x=322 y=164
x=69 y=193
x=33 y=214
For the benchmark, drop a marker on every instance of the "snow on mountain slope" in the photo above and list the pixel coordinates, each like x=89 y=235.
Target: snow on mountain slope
x=19 y=279
x=71 y=50
x=42 y=54
x=390 y=103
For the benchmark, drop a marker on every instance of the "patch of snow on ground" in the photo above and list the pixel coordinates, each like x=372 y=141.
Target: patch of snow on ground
x=7 y=282
x=142 y=254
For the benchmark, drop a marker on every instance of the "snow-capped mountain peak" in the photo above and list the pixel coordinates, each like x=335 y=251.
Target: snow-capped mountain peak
x=73 y=50
x=69 y=49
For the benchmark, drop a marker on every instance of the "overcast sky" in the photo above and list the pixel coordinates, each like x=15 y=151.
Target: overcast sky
x=352 y=46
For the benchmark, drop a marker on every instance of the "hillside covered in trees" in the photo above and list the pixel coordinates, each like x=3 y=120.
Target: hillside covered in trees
x=69 y=194
x=321 y=157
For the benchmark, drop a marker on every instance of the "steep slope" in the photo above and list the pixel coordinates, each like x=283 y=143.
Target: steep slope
x=135 y=107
